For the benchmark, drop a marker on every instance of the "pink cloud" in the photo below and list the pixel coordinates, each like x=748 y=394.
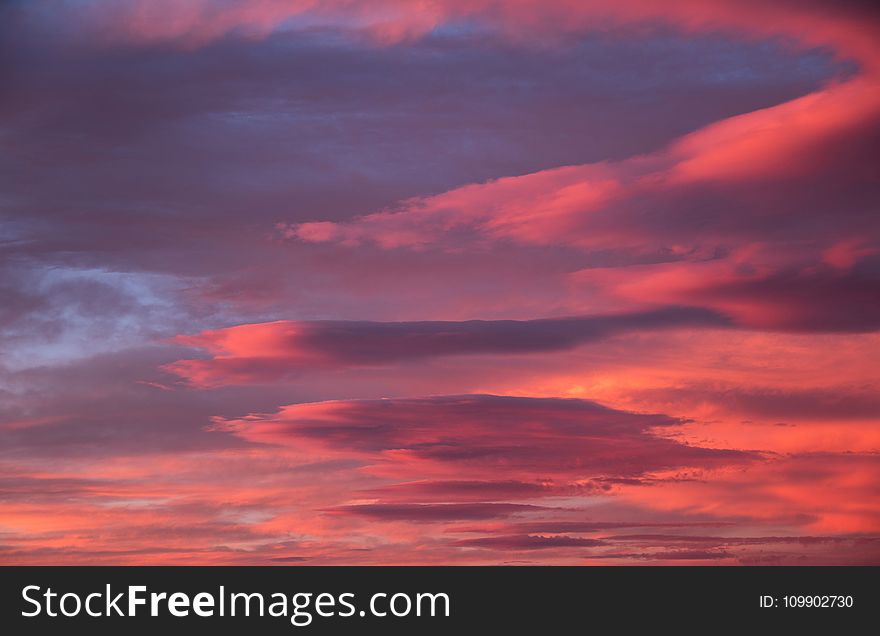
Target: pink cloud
x=194 y=23
x=634 y=203
x=758 y=286
x=566 y=440
x=688 y=374
x=272 y=351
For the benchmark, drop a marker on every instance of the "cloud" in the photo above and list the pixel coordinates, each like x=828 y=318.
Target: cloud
x=530 y=542
x=580 y=527
x=841 y=489
x=779 y=174
x=179 y=144
x=674 y=555
x=688 y=188
x=564 y=439
x=267 y=351
x=666 y=539
x=476 y=490
x=112 y=405
x=849 y=26
x=434 y=512
x=754 y=289
x=776 y=404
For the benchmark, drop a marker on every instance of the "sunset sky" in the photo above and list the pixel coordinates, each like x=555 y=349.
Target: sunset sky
x=439 y=282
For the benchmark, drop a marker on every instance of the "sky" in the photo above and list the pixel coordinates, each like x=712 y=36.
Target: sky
x=439 y=282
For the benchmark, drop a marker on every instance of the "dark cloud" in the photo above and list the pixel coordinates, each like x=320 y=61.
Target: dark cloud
x=557 y=527
x=529 y=542
x=474 y=490
x=263 y=352
x=434 y=512
x=537 y=437
x=675 y=555
x=798 y=301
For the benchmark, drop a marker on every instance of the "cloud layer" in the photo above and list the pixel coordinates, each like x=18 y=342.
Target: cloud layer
x=439 y=282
